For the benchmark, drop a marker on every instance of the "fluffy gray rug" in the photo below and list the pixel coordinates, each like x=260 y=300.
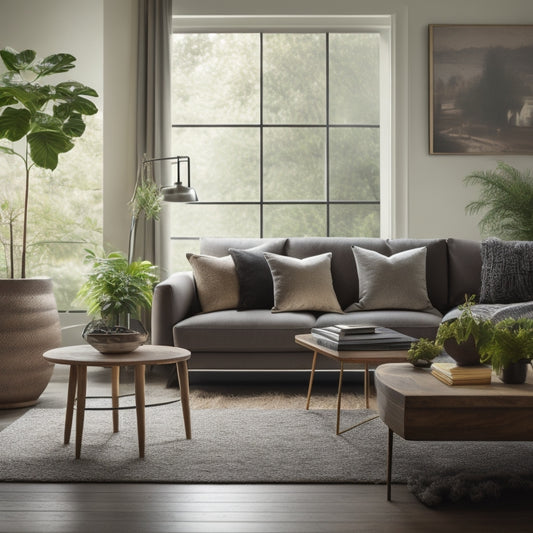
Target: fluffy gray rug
x=241 y=446
x=470 y=487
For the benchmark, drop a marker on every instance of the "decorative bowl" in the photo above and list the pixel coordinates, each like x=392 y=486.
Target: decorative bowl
x=114 y=340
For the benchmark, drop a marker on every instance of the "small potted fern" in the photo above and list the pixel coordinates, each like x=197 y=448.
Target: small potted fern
x=465 y=336
x=510 y=349
x=115 y=293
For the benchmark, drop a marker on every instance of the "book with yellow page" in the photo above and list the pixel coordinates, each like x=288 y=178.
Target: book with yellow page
x=452 y=374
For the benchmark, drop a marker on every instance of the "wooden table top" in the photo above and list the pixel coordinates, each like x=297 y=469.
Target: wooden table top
x=352 y=356
x=418 y=406
x=148 y=354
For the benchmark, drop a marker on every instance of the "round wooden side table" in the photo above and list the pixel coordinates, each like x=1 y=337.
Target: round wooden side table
x=82 y=356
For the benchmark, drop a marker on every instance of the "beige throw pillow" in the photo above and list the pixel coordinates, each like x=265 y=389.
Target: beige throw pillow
x=302 y=284
x=395 y=282
x=216 y=281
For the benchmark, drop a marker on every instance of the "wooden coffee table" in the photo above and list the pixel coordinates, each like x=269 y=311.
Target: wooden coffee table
x=366 y=357
x=80 y=357
x=417 y=406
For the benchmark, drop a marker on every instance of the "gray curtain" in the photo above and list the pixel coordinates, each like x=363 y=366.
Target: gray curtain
x=153 y=110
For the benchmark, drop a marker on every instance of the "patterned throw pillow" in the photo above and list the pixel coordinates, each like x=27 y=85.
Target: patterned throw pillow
x=506 y=271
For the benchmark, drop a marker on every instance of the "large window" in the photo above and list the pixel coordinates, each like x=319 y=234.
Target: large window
x=284 y=132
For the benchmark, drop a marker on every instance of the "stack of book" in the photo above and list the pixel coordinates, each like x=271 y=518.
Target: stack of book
x=361 y=337
x=452 y=374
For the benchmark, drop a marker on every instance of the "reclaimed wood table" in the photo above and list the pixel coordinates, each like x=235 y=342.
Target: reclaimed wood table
x=369 y=358
x=82 y=356
x=417 y=406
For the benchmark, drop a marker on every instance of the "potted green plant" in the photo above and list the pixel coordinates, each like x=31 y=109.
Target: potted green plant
x=115 y=293
x=422 y=352
x=463 y=337
x=38 y=122
x=510 y=349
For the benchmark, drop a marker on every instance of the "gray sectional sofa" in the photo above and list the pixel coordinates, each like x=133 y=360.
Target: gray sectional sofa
x=241 y=334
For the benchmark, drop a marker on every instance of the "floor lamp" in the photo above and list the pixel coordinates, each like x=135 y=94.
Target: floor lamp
x=176 y=193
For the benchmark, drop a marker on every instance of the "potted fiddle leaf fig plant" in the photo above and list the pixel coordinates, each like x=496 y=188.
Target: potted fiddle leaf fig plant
x=115 y=293
x=39 y=121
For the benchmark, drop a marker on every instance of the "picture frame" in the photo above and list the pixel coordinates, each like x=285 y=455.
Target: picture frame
x=480 y=89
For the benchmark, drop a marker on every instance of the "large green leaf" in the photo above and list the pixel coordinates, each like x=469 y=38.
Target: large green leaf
x=74 y=126
x=54 y=64
x=14 y=123
x=75 y=88
x=15 y=61
x=46 y=145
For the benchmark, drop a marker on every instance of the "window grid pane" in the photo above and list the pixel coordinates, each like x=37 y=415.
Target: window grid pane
x=295 y=173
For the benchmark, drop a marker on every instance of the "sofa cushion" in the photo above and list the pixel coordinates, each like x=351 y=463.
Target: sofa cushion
x=506 y=271
x=256 y=330
x=256 y=290
x=216 y=281
x=464 y=270
x=395 y=282
x=302 y=284
x=413 y=323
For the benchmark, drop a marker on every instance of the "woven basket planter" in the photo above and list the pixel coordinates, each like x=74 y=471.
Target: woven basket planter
x=29 y=325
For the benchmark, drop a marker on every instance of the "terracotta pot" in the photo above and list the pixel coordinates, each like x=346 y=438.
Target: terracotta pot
x=29 y=325
x=464 y=354
x=514 y=373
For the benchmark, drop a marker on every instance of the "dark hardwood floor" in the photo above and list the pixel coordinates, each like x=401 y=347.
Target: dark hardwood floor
x=149 y=507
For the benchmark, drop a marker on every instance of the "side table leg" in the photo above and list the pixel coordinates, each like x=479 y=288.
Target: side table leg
x=339 y=395
x=80 y=409
x=115 y=384
x=367 y=385
x=311 y=379
x=139 y=404
x=183 y=380
x=71 y=395
x=389 y=464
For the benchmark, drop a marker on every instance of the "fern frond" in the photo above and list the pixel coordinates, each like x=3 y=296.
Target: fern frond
x=506 y=197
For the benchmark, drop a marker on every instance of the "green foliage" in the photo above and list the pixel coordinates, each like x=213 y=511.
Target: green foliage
x=423 y=350
x=39 y=121
x=466 y=325
x=147 y=200
x=512 y=341
x=507 y=200
x=115 y=288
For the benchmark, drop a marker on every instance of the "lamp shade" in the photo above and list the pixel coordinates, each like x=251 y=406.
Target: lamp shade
x=179 y=193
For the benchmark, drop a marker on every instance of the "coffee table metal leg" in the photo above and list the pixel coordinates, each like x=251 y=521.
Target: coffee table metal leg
x=115 y=384
x=71 y=396
x=311 y=379
x=389 y=464
x=183 y=379
x=80 y=408
x=139 y=405
x=339 y=396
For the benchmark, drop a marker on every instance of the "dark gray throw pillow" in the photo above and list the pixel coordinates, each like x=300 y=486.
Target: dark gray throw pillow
x=256 y=290
x=506 y=271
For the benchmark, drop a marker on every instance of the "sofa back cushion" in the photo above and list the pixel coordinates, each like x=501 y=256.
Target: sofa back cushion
x=464 y=268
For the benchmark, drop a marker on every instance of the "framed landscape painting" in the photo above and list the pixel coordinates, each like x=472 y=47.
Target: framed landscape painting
x=480 y=89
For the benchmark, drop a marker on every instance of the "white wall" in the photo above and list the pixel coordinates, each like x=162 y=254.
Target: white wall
x=429 y=193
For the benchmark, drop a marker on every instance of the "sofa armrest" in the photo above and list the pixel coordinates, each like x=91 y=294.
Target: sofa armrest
x=174 y=299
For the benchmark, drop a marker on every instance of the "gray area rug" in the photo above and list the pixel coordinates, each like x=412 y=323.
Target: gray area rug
x=241 y=446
